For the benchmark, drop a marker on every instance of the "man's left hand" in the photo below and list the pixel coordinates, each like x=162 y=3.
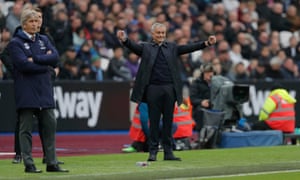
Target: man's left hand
x=211 y=40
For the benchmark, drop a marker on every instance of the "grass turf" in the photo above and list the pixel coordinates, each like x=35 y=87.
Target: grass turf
x=195 y=164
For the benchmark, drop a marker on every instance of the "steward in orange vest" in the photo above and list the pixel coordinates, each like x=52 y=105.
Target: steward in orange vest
x=182 y=119
x=278 y=112
x=136 y=132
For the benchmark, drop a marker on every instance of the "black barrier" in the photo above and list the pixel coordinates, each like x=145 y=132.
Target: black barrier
x=81 y=106
x=7 y=107
x=90 y=106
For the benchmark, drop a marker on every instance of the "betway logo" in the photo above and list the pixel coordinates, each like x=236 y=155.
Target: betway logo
x=80 y=104
x=257 y=100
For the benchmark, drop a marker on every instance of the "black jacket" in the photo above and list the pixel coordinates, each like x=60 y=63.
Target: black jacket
x=4 y=57
x=199 y=91
x=148 y=52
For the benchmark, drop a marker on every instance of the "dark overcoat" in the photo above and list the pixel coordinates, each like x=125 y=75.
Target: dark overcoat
x=32 y=80
x=148 y=52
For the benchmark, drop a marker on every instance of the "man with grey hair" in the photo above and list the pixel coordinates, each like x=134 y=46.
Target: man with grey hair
x=33 y=57
x=158 y=82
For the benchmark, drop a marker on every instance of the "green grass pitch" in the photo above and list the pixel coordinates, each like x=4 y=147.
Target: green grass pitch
x=235 y=163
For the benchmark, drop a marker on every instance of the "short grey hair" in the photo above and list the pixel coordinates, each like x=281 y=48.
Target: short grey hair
x=27 y=14
x=155 y=25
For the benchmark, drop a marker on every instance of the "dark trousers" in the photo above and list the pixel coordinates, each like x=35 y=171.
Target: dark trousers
x=47 y=120
x=17 y=139
x=161 y=100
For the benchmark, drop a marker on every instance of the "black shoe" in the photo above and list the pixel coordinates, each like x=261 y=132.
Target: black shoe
x=32 y=169
x=172 y=158
x=58 y=162
x=152 y=157
x=55 y=168
x=17 y=159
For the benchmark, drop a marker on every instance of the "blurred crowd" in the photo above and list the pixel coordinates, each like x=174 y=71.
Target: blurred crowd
x=256 y=39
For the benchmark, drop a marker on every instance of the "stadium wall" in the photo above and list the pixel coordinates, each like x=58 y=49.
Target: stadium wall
x=93 y=106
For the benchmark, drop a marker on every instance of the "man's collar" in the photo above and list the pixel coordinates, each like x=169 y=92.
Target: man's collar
x=164 y=43
x=28 y=35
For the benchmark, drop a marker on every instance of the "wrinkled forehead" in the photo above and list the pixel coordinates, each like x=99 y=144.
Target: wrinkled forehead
x=159 y=30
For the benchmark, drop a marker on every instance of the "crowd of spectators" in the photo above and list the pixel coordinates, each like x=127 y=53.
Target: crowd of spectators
x=256 y=39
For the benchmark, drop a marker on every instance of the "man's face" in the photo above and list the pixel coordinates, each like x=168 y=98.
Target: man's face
x=207 y=76
x=159 y=34
x=31 y=25
x=40 y=20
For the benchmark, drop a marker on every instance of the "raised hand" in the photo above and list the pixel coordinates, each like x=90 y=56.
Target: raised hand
x=122 y=36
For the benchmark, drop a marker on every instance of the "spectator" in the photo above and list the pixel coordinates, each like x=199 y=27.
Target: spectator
x=289 y=69
x=86 y=73
x=293 y=18
x=78 y=31
x=117 y=69
x=13 y=17
x=273 y=71
x=264 y=55
x=223 y=49
x=293 y=50
x=71 y=55
x=5 y=37
x=61 y=31
x=263 y=40
x=187 y=65
x=200 y=93
x=247 y=43
x=246 y=20
x=198 y=23
x=263 y=10
x=133 y=63
x=258 y=72
x=239 y=72
x=235 y=53
x=274 y=47
x=205 y=31
x=109 y=34
x=96 y=68
x=217 y=65
x=69 y=70
x=277 y=21
x=251 y=5
x=98 y=41
x=86 y=52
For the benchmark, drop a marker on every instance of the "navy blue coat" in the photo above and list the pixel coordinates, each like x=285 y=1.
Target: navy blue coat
x=32 y=80
x=148 y=52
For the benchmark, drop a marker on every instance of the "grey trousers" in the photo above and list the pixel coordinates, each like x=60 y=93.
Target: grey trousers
x=48 y=123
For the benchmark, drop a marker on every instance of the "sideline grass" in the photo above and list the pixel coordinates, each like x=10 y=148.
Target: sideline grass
x=196 y=163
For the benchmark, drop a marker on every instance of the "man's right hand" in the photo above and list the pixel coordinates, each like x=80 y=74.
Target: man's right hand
x=121 y=35
x=205 y=103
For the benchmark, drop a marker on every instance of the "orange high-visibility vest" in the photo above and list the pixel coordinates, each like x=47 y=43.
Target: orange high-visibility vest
x=182 y=118
x=135 y=132
x=184 y=122
x=283 y=118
